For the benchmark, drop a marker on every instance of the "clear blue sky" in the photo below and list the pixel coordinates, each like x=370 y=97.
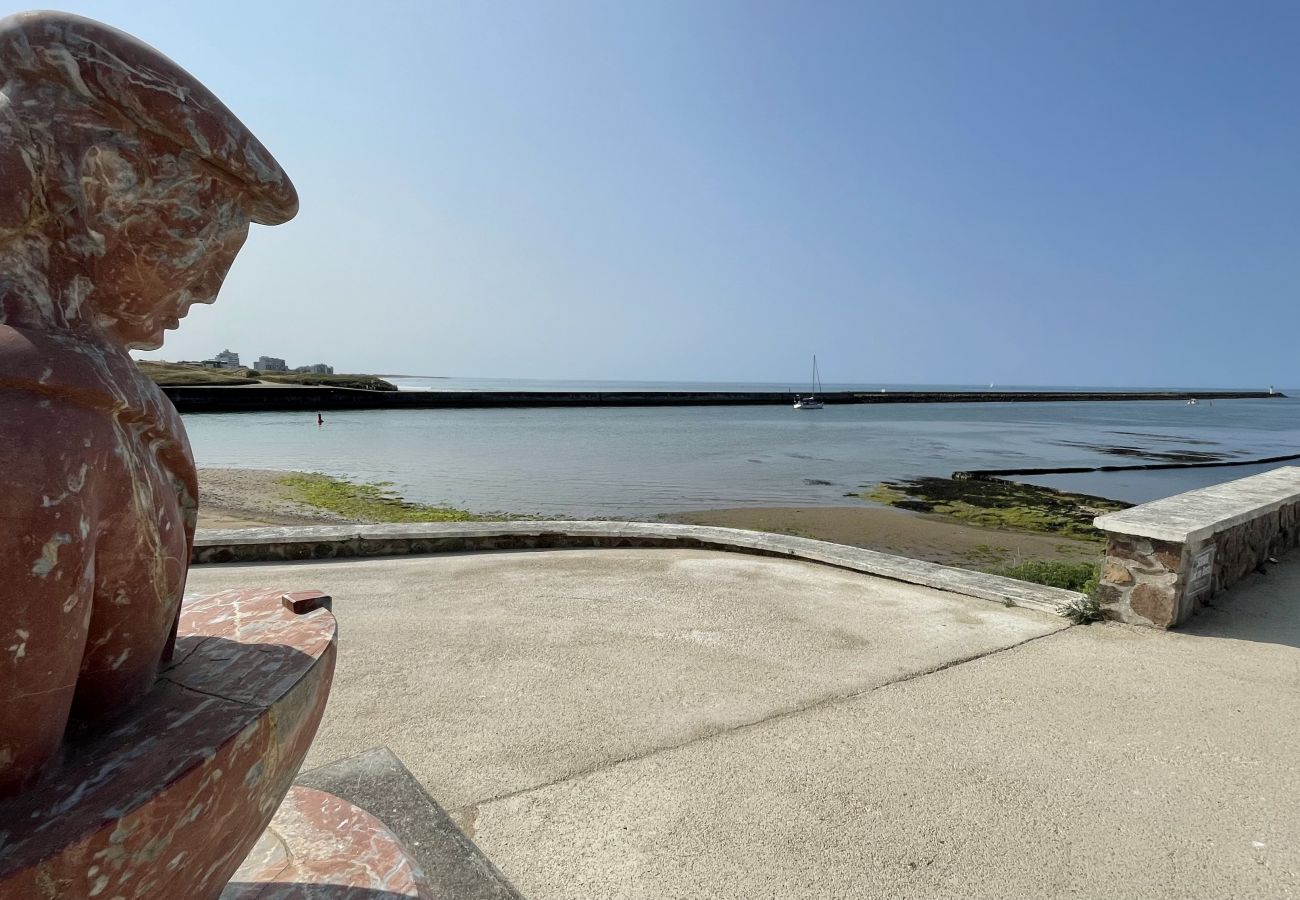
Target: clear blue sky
x=954 y=192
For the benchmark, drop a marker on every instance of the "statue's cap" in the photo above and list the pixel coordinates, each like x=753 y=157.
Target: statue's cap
x=106 y=66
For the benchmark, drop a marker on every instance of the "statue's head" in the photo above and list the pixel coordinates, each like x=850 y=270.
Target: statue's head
x=126 y=187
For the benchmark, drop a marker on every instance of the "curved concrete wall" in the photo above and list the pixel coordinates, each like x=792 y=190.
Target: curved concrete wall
x=342 y=541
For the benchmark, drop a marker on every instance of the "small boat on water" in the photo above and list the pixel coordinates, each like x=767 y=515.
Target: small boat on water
x=811 y=401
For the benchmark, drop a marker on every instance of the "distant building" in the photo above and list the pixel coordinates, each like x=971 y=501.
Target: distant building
x=226 y=360
x=270 y=364
x=315 y=369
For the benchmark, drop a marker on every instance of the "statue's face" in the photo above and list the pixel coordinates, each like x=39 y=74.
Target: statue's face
x=169 y=236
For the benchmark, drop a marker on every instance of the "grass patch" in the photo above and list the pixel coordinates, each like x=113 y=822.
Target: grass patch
x=363 y=382
x=364 y=502
x=999 y=504
x=1072 y=576
x=169 y=374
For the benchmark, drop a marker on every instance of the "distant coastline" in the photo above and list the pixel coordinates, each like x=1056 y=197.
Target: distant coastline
x=287 y=397
x=168 y=374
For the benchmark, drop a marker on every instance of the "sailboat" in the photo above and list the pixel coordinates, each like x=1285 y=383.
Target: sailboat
x=811 y=401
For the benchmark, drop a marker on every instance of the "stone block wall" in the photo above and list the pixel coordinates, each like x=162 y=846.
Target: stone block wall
x=1151 y=582
x=1142 y=580
x=1243 y=549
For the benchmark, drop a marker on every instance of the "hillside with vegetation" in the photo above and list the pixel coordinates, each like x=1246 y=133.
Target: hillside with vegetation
x=167 y=374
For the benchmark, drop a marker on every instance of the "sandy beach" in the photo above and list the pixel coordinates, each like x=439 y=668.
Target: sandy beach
x=246 y=498
x=919 y=536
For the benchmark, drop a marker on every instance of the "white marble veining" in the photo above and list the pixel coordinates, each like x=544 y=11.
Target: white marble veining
x=126 y=190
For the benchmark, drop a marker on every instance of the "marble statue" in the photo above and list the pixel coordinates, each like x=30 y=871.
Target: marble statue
x=126 y=190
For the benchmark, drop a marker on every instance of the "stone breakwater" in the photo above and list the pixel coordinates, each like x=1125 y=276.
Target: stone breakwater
x=263 y=398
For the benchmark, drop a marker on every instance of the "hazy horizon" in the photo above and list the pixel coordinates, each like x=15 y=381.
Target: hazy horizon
x=923 y=192
x=795 y=383
x=798 y=385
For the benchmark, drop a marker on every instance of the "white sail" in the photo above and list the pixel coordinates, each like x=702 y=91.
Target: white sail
x=811 y=401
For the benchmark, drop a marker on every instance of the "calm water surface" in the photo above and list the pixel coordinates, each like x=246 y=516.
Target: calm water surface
x=638 y=462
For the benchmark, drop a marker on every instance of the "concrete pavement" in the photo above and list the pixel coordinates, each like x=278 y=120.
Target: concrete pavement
x=664 y=723
x=489 y=674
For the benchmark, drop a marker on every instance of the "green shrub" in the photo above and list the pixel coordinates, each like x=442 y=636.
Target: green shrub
x=1072 y=576
x=1083 y=610
x=362 y=382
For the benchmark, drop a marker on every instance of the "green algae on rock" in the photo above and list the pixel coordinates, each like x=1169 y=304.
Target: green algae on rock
x=994 y=503
x=364 y=502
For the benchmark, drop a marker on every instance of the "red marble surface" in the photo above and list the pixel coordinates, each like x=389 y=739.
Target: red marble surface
x=320 y=847
x=306 y=601
x=168 y=801
x=126 y=190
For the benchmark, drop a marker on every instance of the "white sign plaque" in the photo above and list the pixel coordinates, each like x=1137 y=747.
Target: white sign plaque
x=1201 y=578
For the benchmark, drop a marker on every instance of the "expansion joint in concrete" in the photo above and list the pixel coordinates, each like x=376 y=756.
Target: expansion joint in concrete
x=469 y=812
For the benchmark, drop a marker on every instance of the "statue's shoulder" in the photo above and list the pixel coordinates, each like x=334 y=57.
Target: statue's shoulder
x=40 y=367
x=40 y=417
x=57 y=389
x=53 y=452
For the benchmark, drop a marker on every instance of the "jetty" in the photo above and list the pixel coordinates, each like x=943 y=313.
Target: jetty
x=285 y=397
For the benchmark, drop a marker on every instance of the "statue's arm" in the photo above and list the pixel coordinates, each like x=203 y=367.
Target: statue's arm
x=47 y=525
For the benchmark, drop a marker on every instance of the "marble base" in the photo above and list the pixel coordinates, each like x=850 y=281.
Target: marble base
x=376 y=781
x=320 y=847
x=169 y=800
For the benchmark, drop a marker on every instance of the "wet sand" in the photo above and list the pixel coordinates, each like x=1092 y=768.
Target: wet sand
x=247 y=498
x=932 y=538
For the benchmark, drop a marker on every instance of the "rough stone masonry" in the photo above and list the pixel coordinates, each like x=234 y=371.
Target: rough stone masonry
x=1166 y=559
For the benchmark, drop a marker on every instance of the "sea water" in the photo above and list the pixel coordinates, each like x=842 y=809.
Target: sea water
x=610 y=461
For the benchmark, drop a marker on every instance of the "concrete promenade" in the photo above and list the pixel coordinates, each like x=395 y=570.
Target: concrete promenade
x=685 y=723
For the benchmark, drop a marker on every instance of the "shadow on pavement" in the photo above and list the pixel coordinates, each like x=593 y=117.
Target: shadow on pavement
x=1264 y=608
